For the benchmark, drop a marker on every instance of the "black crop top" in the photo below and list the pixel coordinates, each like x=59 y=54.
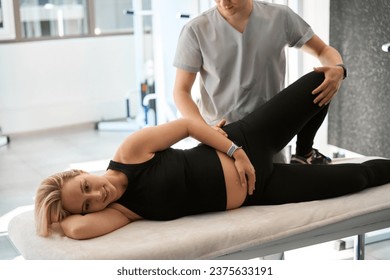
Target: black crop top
x=174 y=183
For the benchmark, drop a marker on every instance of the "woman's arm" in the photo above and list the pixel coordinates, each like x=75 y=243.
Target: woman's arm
x=93 y=224
x=141 y=145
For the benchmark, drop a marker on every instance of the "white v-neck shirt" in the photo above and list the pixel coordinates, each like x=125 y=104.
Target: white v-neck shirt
x=239 y=71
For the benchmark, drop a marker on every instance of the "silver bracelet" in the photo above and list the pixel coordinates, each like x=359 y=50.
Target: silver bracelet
x=232 y=149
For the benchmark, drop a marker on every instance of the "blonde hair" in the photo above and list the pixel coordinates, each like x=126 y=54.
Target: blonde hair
x=48 y=205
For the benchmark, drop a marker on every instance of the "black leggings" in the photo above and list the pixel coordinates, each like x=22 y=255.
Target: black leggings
x=271 y=127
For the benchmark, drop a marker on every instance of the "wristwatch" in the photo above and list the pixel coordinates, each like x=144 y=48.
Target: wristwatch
x=232 y=149
x=345 y=70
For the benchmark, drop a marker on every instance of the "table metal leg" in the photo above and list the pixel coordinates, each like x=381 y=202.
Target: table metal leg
x=359 y=248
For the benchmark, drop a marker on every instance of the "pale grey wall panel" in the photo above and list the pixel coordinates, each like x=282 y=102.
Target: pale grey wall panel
x=359 y=117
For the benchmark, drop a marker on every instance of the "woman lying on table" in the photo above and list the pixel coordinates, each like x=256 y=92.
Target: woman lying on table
x=147 y=179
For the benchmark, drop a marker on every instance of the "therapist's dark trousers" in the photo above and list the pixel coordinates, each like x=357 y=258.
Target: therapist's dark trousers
x=271 y=127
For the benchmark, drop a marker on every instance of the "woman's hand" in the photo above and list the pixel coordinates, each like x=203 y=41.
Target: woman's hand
x=245 y=170
x=218 y=127
x=244 y=167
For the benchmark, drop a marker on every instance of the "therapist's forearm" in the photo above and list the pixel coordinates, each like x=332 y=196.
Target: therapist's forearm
x=330 y=57
x=184 y=82
x=187 y=106
x=327 y=55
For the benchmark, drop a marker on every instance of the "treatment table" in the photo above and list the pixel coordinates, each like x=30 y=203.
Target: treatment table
x=244 y=233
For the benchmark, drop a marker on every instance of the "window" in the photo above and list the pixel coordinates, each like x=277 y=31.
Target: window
x=53 y=18
x=112 y=16
x=57 y=19
x=118 y=15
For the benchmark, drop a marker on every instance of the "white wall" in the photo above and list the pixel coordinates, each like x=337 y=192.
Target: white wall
x=47 y=84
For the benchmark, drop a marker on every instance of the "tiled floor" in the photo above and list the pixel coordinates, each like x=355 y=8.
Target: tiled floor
x=29 y=158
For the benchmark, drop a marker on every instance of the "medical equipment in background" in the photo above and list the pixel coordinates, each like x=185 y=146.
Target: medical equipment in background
x=148 y=103
x=147 y=87
x=4 y=139
x=148 y=97
x=128 y=124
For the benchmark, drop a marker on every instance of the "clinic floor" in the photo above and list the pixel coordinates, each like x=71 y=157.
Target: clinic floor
x=29 y=158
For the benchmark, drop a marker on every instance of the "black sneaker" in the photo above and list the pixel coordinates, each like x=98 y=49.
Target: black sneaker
x=315 y=158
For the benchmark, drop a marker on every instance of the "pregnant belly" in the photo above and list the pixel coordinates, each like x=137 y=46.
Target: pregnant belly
x=235 y=193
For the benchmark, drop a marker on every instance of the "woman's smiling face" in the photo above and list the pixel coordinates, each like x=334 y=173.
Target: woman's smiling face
x=87 y=193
